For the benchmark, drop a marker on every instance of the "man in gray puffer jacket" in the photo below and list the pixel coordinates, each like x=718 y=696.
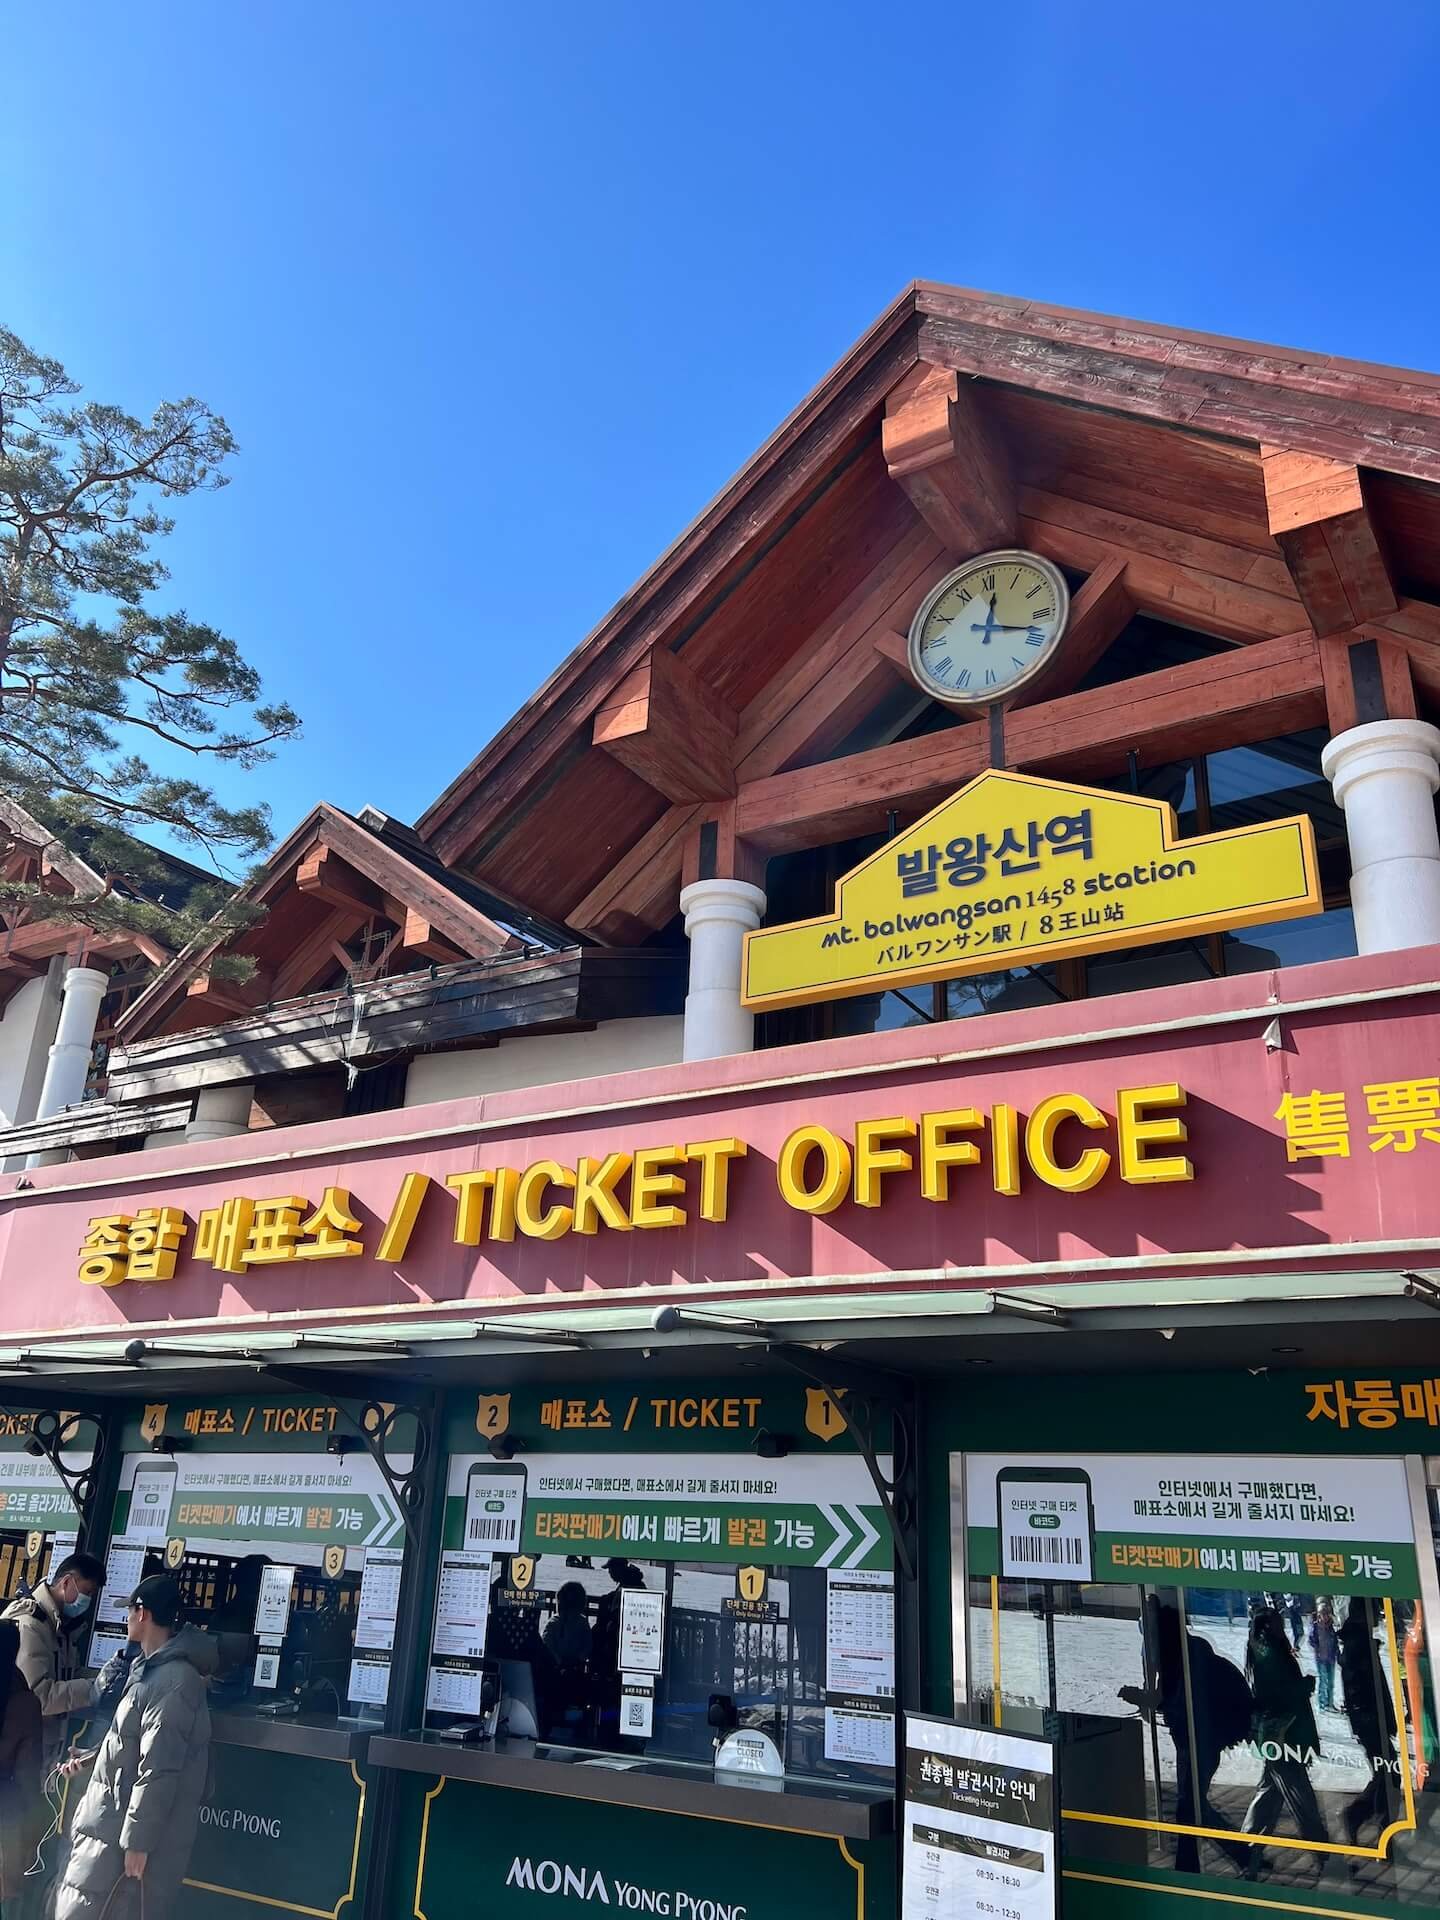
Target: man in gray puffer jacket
x=138 y=1817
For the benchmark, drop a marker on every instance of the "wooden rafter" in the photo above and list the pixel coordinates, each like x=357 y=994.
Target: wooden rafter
x=760 y=496
x=641 y=892
x=1201 y=383
x=1319 y=520
x=836 y=677
x=663 y=725
x=940 y=448
x=1101 y=607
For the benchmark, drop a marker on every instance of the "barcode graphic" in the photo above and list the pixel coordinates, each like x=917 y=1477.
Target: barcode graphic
x=489 y=1529
x=1051 y=1549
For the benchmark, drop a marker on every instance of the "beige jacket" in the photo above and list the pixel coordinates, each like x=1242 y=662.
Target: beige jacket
x=38 y=1619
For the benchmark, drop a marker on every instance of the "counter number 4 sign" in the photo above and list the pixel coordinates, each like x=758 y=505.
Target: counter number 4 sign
x=1046 y=1523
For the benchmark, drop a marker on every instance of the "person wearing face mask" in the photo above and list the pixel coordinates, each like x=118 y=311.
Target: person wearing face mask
x=40 y=1616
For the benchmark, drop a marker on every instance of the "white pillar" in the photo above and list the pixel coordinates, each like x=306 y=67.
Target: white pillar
x=1385 y=775
x=68 y=1067
x=718 y=915
x=221 y=1111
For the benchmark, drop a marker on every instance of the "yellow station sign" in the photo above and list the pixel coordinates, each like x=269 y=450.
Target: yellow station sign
x=1013 y=870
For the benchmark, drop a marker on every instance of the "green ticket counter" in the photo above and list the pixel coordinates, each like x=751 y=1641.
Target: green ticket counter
x=285 y=1824
x=467 y=1846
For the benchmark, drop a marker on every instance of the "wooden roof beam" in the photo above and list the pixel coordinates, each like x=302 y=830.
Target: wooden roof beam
x=941 y=450
x=1275 y=686
x=224 y=999
x=417 y=936
x=1319 y=521
x=676 y=734
x=1367 y=677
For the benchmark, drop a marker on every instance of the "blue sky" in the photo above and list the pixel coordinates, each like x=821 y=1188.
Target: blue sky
x=495 y=298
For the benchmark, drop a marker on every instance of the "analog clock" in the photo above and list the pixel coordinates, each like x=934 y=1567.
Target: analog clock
x=988 y=627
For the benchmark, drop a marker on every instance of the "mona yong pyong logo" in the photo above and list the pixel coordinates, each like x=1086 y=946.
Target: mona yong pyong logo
x=591 y=1887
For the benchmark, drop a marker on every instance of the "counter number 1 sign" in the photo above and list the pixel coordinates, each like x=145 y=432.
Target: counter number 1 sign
x=494 y=1506
x=1046 y=1523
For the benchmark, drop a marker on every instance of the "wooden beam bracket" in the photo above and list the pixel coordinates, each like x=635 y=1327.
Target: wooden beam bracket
x=941 y=449
x=672 y=731
x=1319 y=520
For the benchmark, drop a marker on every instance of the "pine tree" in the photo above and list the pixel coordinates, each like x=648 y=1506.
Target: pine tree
x=96 y=683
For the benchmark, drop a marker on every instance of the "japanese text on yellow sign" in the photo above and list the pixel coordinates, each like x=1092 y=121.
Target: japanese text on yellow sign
x=1013 y=870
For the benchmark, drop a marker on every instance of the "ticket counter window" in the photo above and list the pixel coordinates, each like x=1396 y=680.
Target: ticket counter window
x=1256 y=1730
x=302 y=1604
x=736 y=1650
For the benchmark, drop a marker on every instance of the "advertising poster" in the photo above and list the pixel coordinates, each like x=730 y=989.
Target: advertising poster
x=299 y=1500
x=807 y=1510
x=1195 y=1520
x=978 y=1823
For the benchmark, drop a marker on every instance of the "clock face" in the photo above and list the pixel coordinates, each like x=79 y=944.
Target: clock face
x=988 y=627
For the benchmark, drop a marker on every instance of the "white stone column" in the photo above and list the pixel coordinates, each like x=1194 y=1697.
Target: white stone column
x=1385 y=775
x=68 y=1067
x=718 y=915
x=221 y=1112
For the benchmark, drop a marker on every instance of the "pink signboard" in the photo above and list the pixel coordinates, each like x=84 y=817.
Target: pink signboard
x=1310 y=1109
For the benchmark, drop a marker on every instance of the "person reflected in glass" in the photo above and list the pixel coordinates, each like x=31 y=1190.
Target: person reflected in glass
x=1217 y=1716
x=567 y=1639
x=1285 y=1733
x=1370 y=1711
x=1325 y=1646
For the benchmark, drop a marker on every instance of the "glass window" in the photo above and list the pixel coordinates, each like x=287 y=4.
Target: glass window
x=555 y=1650
x=1233 y=1732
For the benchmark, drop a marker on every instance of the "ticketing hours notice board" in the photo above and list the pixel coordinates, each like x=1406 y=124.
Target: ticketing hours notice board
x=980 y=1813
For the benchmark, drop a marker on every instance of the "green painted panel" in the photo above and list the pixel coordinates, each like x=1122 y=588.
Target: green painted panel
x=469 y=1850
x=276 y=1830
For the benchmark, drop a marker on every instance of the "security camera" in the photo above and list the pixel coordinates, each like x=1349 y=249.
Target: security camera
x=666 y=1319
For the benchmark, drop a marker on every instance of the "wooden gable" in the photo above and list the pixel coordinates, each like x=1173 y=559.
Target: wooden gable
x=1286 y=505
x=341 y=903
x=29 y=936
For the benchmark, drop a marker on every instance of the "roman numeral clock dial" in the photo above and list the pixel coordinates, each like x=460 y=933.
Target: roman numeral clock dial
x=988 y=627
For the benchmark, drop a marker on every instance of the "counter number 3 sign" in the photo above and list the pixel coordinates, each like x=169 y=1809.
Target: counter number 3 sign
x=1046 y=1522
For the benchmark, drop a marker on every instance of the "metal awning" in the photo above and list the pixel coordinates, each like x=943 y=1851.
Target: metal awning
x=1077 y=1325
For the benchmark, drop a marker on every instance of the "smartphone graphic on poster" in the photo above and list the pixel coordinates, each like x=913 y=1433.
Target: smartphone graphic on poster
x=1046 y=1522
x=152 y=1494
x=494 y=1506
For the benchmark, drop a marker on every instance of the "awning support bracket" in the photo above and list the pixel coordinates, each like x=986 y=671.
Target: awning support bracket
x=377 y=1426
x=859 y=1414
x=50 y=1433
